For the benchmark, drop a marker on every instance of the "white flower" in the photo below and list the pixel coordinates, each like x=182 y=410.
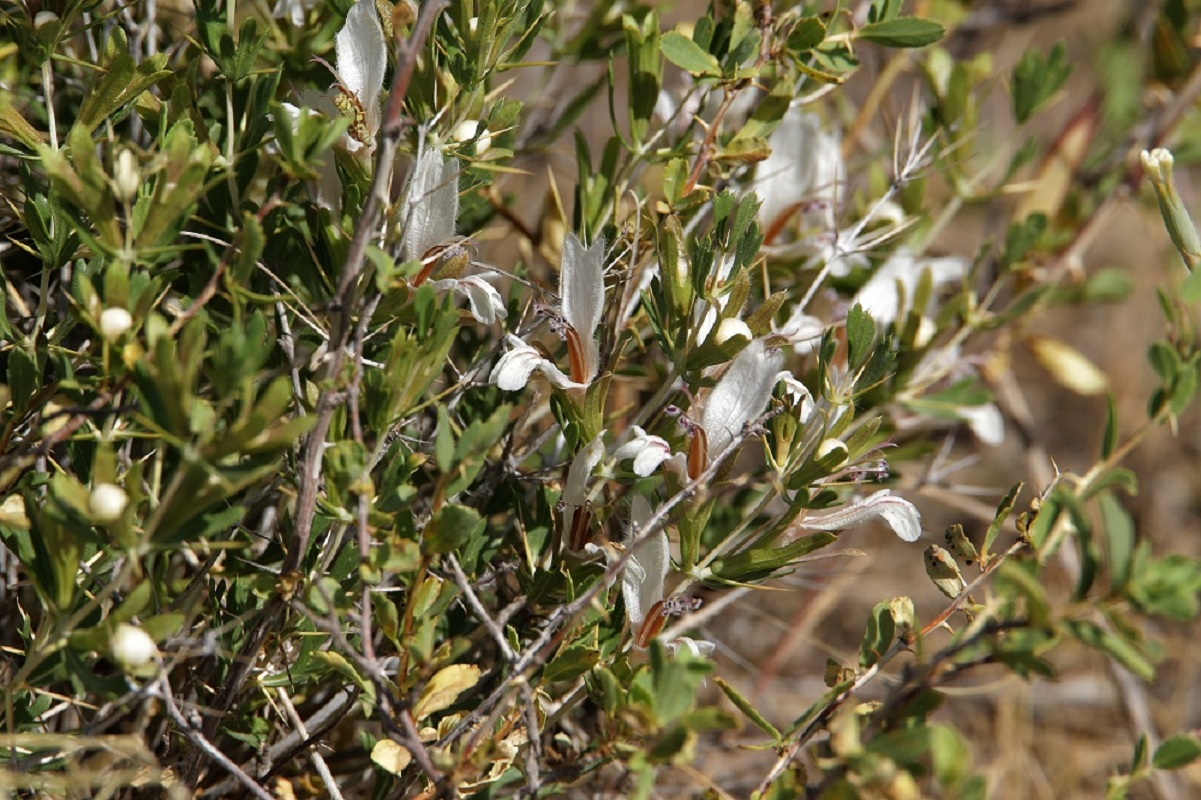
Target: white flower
x=738 y=398
x=798 y=394
x=900 y=515
x=430 y=206
x=107 y=502
x=647 y=450
x=985 y=421
x=485 y=302
x=470 y=129
x=512 y=372
x=362 y=56
x=293 y=9
x=803 y=331
x=740 y=395
x=132 y=647
x=643 y=581
x=114 y=322
x=581 y=298
x=804 y=169
x=901 y=273
x=577 y=516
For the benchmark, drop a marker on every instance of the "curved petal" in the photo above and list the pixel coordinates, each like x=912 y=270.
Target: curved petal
x=513 y=369
x=900 y=515
x=486 y=304
x=575 y=488
x=648 y=451
x=431 y=205
x=645 y=571
x=740 y=395
x=362 y=57
x=582 y=293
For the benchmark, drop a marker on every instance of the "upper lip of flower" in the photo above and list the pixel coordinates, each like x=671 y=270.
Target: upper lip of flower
x=362 y=56
x=581 y=303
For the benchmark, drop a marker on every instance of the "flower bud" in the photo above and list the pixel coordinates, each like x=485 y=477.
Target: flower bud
x=470 y=129
x=132 y=647
x=114 y=322
x=107 y=503
x=1157 y=164
x=126 y=176
x=731 y=327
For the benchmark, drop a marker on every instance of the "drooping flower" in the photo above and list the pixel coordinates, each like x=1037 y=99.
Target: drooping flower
x=899 y=514
x=803 y=172
x=739 y=398
x=581 y=304
x=577 y=514
x=362 y=56
x=642 y=586
x=428 y=214
x=882 y=294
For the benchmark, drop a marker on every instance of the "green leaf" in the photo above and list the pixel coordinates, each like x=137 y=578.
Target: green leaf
x=1121 y=649
x=451 y=528
x=119 y=87
x=861 y=333
x=1119 y=540
x=1176 y=752
x=571 y=663
x=746 y=708
x=444 y=441
x=1036 y=79
x=903 y=32
x=805 y=35
x=688 y=55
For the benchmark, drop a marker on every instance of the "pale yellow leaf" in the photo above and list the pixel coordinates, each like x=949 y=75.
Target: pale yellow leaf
x=445 y=687
x=1068 y=366
x=390 y=756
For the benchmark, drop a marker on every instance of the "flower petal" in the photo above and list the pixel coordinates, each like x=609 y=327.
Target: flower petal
x=582 y=292
x=900 y=515
x=431 y=205
x=362 y=57
x=648 y=451
x=740 y=395
x=575 y=488
x=486 y=304
x=513 y=369
x=985 y=421
x=881 y=295
x=645 y=571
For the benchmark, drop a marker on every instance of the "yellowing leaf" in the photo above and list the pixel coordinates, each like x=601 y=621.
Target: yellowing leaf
x=390 y=756
x=1068 y=366
x=445 y=687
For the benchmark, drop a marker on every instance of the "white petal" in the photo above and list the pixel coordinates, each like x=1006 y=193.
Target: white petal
x=575 y=488
x=804 y=332
x=696 y=648
x=362 y=56
x=805 y=165
x=643 y=576
x=902 y=272
x=513 y=369
x=648 y=451
x=986 y=422
x=900 y=515
x=431 y=204
x=582 y=292
x=486 y=304
x=798 y=393
x=740 y=395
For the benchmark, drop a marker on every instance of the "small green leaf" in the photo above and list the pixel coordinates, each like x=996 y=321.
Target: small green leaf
x=1176 y=752
x=1037 y=79
x=571 y=663
x=444 y=441
x=861 y=333
x=688 y=55
x=903 y=32
x=746 y=708
x=451 y=528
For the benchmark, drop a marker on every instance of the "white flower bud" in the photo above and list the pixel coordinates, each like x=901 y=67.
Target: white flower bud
x=466 y=130
x=132 y=647
x=731 y=327
x=44 y=18
x=107 y=503
x=114 y=322
x=829 y=448
x=126 y=176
